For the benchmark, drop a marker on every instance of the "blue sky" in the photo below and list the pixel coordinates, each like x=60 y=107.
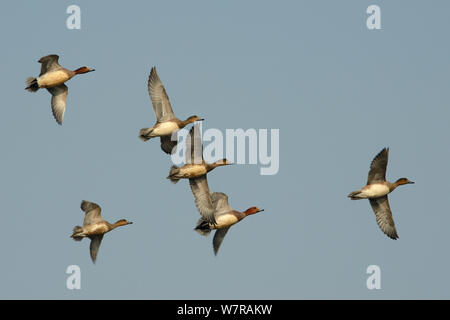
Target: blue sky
x=337 y=92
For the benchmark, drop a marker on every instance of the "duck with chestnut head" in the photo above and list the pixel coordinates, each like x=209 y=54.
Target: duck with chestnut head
x=166 y=123
x=52 y=77
x=94 y=227
x=195 y=165
x=377 y=189
x=215 y=204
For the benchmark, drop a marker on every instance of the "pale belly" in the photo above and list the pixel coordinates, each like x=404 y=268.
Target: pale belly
x=165 y=129
x=94 y=229
x=375 y=190
x=225 y=220
x=192 y=171
x=52 y=79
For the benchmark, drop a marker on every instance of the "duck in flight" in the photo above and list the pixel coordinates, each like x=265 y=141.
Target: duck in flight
x=376 y=191
x=195 y=165
x=52 y=77
x=94 y=227
x=216 y=204
x=166 y=122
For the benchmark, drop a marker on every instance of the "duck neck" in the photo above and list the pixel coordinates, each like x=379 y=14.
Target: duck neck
x=210 y=166
x=249 y=211
x=184 y=123
x=81 y=70
x=117 y=224
x=394 y=185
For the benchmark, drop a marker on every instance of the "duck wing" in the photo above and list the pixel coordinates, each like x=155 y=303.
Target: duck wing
x=203 y=202
x=94 y=246
x=220 y=203
x=194 y=144
x=160 y=100
x=49 y=63
x=384 y=216
x=218 y=238
x=93 y=212
x=168 y=145
x=377 y=172
x=59 y=95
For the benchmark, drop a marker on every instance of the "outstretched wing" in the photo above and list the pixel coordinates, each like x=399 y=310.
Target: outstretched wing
x=59 y=95
x=377 y=172
x=160 y=100
x=94 y=246
x=93 y=212
x=220 y=203
x=194 y=147
x=218 y=238
x=168 y=145
x=384 y=216
x=202 y=196
x=49 y=63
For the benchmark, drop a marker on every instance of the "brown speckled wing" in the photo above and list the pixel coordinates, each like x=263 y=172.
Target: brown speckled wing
x=384 y=216
x=377 y=172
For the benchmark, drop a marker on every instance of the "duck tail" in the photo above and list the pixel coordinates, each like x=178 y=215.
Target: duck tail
x=354 y=195
x=203 y=227
x=172 y=174
x=32 y=84
x=145 y=134
x=76 y=233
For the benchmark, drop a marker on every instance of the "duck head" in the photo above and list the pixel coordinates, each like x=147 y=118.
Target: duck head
x=192 y=119
x=83 y=70
x=403 y=181
x=252 y=210
x=223 y=162
x=122 y=222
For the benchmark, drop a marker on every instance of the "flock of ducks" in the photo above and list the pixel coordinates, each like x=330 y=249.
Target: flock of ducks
x=215 y=211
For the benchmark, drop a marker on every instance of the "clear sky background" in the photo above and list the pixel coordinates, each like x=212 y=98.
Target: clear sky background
x=337 y=92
